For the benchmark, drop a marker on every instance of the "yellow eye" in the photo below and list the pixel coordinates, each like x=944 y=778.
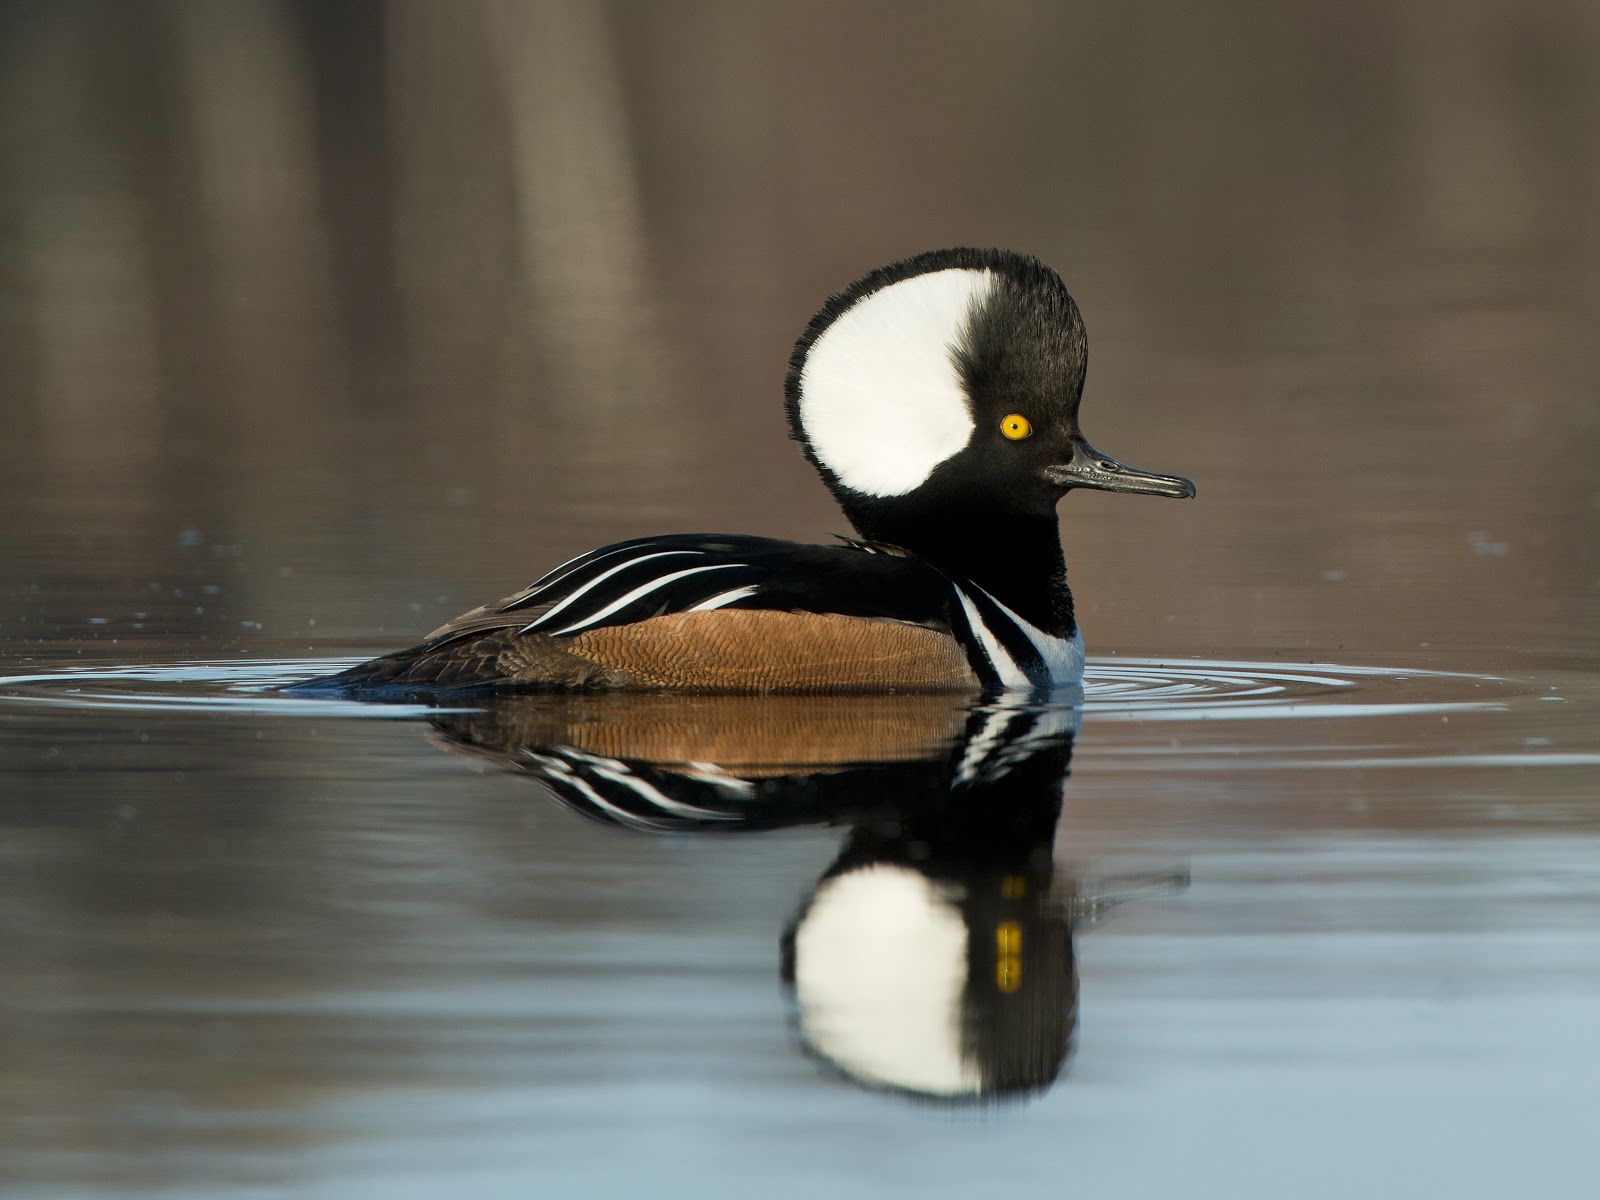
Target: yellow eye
x=1016 y=426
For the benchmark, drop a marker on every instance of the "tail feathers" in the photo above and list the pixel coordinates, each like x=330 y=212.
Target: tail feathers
x=497 y=659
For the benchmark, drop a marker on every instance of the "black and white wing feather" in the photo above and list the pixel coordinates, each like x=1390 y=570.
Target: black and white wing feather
x=651 y=577
x=631 y=582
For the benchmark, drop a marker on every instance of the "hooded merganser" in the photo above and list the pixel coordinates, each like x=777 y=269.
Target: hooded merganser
x=938 y=399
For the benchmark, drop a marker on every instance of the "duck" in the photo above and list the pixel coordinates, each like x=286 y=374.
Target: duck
x=937 y=397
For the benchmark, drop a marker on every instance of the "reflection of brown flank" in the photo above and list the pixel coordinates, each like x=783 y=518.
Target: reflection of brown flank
x=727 y=650
x=777 y=735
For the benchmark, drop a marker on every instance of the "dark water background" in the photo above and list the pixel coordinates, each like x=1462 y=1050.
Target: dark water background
x=320 y=322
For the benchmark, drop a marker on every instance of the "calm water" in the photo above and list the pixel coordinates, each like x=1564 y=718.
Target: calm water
x=322 y=323
x=1317 y=928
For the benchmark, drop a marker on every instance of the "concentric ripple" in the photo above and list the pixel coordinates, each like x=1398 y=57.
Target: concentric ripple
x=202 y=685
x=1133 y=689
x=1147 y=689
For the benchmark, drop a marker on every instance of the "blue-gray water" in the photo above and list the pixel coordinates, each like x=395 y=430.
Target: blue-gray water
x=268 y=947
x=322 y=323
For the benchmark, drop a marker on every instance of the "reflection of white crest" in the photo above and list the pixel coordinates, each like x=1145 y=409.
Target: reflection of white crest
x=881 y=400
x=880 y=965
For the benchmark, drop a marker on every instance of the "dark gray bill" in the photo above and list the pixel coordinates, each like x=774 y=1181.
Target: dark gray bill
x=1091 y=469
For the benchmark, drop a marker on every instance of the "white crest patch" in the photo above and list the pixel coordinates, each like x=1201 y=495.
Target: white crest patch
x=880 y=962
x=881 y=402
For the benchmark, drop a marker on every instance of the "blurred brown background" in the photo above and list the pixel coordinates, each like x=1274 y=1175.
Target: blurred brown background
x=357 y=314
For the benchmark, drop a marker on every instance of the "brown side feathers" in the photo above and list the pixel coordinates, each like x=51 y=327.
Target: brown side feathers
x=726 y=650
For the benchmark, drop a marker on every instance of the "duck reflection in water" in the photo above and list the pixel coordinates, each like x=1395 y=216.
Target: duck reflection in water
x=934 y=956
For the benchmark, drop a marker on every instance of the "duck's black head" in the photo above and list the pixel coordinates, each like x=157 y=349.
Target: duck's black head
x=938 y=397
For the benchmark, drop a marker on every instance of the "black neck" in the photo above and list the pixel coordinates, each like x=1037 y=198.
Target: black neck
x=1015 y=557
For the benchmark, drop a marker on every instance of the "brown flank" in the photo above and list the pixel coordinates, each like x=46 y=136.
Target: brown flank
x=726 y=650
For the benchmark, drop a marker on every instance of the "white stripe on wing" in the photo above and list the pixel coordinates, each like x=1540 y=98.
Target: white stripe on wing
x=644 y=590
x=598 y=579
x=722 y=598
x=571 y=567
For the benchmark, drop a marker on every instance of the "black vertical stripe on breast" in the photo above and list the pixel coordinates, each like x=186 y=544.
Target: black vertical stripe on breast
x=978 y=659
x=1021 y=649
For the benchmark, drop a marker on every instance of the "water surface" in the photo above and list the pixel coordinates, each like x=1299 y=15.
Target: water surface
x=273 y=944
